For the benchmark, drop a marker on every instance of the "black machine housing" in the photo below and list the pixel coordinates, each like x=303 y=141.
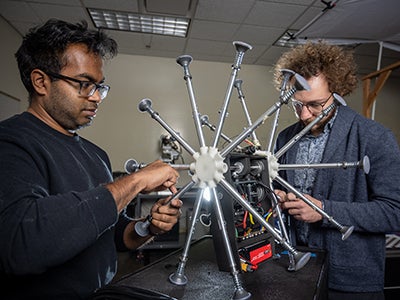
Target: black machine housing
x=248 y=173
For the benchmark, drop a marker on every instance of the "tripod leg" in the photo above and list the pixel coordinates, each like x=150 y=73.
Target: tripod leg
x=179 y=277
x=240 y=292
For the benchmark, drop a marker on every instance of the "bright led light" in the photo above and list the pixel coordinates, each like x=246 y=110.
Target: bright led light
x=207 y=194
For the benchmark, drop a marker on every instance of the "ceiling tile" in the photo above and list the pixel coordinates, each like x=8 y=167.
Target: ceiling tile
x=197 y=46
x=216 y=31
x=119 y=5
x=233 y=11
x=274 y=14
x=253 y=34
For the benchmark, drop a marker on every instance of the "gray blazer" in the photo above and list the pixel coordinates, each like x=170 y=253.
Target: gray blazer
x=371 y=203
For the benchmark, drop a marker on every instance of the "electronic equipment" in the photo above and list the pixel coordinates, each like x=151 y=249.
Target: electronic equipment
x=248 y=173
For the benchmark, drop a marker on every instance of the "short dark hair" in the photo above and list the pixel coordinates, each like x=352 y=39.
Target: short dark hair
x=43 y=47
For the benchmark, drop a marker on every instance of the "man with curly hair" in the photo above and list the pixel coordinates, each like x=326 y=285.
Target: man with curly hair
x=370 y=202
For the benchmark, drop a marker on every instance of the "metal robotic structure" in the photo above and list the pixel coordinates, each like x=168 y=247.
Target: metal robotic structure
x=209 y=166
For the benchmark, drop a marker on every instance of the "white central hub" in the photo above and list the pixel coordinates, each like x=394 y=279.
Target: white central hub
x=208 y=168
x=273 y=165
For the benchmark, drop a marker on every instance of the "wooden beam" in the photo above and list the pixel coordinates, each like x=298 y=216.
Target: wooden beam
x=370 y=96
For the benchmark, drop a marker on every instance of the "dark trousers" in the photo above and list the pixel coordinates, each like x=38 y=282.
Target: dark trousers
x=338 y=295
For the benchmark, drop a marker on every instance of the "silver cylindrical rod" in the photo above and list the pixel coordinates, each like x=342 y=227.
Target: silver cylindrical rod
x=204 y=121
x=286 y=74
x=184 y=61
x=305 y=130
x=238 y=86
x=179 y=277
x=300 y=84
x=247 y=131
x=301 y=258
x=362 y=164
x=241 y=48
x=145 y=106
x=273 y=131
x=345 y=230
x=131 y=166
x=275 y=203
x=240 y=293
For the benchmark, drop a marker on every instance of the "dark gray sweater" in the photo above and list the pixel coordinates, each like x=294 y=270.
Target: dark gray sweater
x=371 y=203
x=57 y=220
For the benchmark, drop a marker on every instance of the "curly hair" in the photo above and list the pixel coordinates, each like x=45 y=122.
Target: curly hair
x=312 y=59
x=43 y=47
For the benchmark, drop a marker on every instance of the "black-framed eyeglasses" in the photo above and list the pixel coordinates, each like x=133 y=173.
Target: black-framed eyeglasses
x=314 y=107
x=86 y=88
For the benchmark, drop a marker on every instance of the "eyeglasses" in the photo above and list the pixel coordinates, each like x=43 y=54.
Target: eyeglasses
x=86 y=88
x=313 y=107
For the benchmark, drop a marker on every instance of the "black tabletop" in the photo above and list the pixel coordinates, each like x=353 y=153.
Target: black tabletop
x=270 y=281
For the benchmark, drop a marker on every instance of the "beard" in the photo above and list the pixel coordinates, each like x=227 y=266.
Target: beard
x=66 y=110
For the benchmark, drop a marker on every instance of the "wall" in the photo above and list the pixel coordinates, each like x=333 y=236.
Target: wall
x=10 y=83
x=125 y=133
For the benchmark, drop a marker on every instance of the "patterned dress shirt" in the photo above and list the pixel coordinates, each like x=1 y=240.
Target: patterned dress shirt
x=311 y=149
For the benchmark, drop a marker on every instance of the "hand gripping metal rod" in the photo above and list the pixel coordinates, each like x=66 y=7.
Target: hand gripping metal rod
x=145 y=106
x=344 y=230
x=301 y=258
x=241 y=48
x=238 y=86
x=184 y=61
x=142 y=227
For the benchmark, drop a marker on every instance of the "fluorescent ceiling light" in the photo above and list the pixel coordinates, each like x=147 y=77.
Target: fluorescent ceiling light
x=127 y=21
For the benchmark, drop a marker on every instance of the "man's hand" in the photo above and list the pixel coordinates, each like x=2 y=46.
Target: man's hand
x=157 y=176
x=165 y=216
x=298 y=208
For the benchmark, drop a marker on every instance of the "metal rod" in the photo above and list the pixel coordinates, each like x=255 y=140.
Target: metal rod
x=232 y=264
x=247 y=131
x=287 y=74
x=184 y=61
x=131 y=166
x=273 y=130
x=179 y=277
x=238 y=85
x=362 y=164
x=305 y=130
x=345 y=230
x=145 y=106
x=274 y=200
x=300 y=84
x=205 y=121
x=241 y=48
